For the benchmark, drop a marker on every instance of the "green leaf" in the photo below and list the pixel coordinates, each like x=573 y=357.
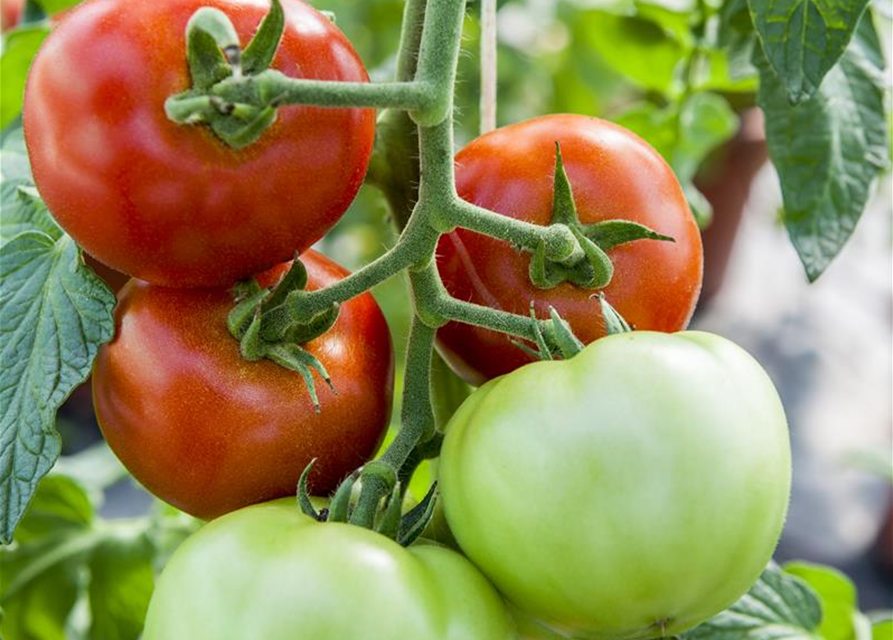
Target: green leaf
x=95 y=469
x=829 y=149
x=736 y=37
x=121 y=583
x=52 y=7
x=637 y=48
x=882 y=629
x=803 y=39
x=685 y=135
x=41 y=611
x=779 y=606
x=23 y=210
x=706 y=120
x=59 y=507
x=838 y=595
x=18 y=50
x=55 y=313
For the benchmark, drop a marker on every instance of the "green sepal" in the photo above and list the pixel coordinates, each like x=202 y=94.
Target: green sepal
x=544 y=353
x=564 y=209
x=243 y=124
x=413 y=524
x=596 y=260
x=217 y=62
x=567 y=344
x=245 y=311
x=245 y=289
x=251 y=345
x=588 y=266
x=293 y=357
x=294 y=279
x=259 y=53
x=303 y=495
x=611 y=233
x=389 y=522
x=553 y=337
x=318 y=325
x=339 y=506
x=543 y=273
x=211 y=41
x=614 y=322
x=190 y=108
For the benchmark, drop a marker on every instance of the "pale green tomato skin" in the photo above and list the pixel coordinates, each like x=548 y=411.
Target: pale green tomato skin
x=268 y=572
x=632 y=491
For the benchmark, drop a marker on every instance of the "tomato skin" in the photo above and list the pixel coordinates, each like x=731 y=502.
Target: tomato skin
x=270 y=573
x=173 y=204
x=614 y=174
x=10 y=13
x=210 y=432
x=643 y=482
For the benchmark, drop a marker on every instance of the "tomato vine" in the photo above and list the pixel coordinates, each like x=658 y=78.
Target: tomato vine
x=243 y=103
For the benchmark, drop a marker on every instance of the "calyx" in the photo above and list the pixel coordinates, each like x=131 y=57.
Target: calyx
x=590 y=267
x=229 y=93
x=246 y=324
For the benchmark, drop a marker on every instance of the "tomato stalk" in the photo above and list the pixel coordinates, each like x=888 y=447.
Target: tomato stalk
x=239 y=103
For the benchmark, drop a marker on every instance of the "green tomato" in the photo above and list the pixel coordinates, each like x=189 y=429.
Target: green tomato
x=268 y=572
x=632 y=491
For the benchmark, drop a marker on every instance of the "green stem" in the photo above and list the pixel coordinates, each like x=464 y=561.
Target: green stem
x=417 y=425
x=326 y=93
x=559 y=240
x=413 y=165
x=415 y=245
x=394 y=166
x=436 y=307
x=410 y=39
x=439 y=58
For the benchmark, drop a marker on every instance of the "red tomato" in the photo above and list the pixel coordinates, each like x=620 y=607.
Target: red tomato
x=614 y=175
x=173 y=204
x=10 y=13
x=210 y=432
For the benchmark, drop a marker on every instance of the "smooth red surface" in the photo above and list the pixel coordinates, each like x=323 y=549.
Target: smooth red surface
x=172 y=204
x=210 y=432
x=10 y=13
x=614 y=174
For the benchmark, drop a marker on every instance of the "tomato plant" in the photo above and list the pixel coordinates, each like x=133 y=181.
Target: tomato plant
x=634 y=488
x=172 y=205
x=632 y=491
x=614 y=175
x=318 y=582
x=210 y=432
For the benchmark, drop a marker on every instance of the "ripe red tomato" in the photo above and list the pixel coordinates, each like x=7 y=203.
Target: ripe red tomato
x=210 y=432
x=614 y=175
x=173 y=204
x=10 y=13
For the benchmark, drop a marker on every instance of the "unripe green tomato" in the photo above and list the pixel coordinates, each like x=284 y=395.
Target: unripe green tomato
x=632 y=491
x=268 y=572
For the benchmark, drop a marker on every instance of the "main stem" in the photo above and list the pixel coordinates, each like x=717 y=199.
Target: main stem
x=413 y=164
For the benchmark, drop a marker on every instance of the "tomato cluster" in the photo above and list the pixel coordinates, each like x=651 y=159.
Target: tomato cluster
x=631 y=491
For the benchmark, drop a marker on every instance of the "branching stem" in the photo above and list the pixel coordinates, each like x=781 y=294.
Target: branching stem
x=413 y=165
